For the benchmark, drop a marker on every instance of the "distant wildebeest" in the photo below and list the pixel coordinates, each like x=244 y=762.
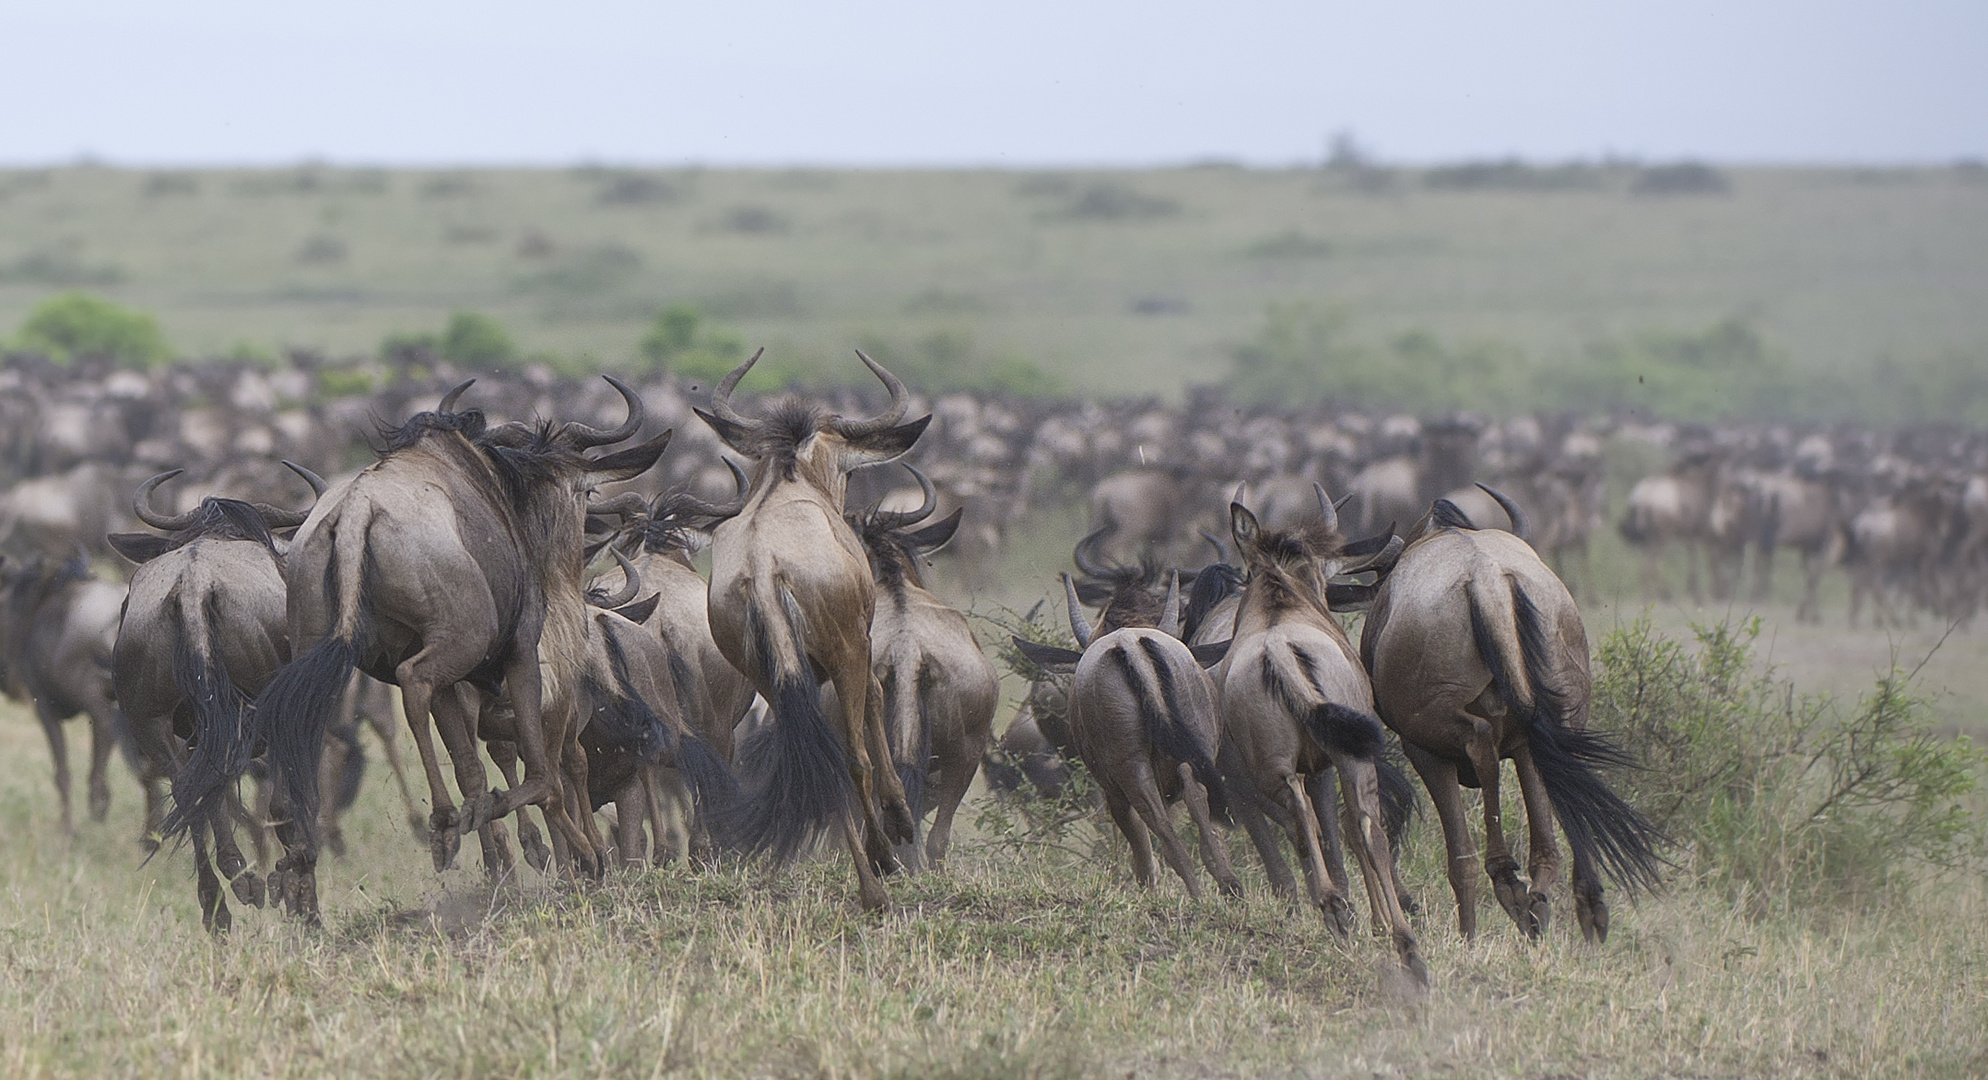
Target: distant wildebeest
x=203 y=630
x=1477 y=654
x=455 y=558
x=1296 y=704
x=1672 y=508
x=1144 y=722
x=57 y=627
x=791 y=601
x=939 y=689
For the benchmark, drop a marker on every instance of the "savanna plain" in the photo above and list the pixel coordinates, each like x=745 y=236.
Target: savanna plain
x=1822 y=913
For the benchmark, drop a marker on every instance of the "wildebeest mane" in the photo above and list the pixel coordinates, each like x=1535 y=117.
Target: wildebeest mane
x=223 y=519
x=788 y=423
x=469 y=423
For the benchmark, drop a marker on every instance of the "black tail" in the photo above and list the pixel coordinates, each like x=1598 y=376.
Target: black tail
x=622 y=719
x=353 y=775
x=292 y=715
x=221 y=742
x=1162 y=718
x=1598 y=823
x=797 y=772
x=1359 y=735
x=631 y=722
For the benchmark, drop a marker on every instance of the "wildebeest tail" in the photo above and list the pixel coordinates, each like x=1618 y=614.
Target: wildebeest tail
x=1397 y=800
x=1160 y=708
x=1599 y=824
x=221 y=739
x=622 y=719
x=352 y=772
x=1359 y=735
x=633 y=723
x=796 y=770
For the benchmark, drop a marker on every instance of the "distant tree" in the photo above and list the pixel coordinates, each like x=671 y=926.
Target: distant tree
x=473 y=339
x=76 y=324
x=680 y=341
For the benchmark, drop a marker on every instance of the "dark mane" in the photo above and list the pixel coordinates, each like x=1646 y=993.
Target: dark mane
x=1276 y=555
x=893 y=557
x=789 y=422
x=470 y=424
x=224 y=519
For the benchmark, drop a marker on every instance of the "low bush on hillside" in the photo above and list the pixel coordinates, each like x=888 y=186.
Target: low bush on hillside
x=81 y=326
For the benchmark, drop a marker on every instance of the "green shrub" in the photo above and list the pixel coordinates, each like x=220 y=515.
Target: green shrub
x=473 y=339
x=1778 y=797
x=681 y=341
x=77 y=324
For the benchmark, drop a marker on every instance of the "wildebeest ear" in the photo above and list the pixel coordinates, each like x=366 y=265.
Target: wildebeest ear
x=886 y=445
x=736 y=435
x=1242 y=524
x=1448 y=515
x=639 y=611
x=140 y=548
x=1095 y=593
x=1347 y=598
x=1212 y=653
x=938 y=534
x=632 y=462
x=1050 y=658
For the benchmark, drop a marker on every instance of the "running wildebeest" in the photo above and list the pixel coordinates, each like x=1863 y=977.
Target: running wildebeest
x=791 y=603
x=57 y=626
x=455 y=558
x=1296 y=703
x=203 y=630
x=1477 y=654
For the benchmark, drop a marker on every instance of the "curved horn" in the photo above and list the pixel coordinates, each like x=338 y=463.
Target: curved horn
x=1221 y=549
x=141 y=504
x=317 y=482
x=721 y=398
x=1521 y=527
x=631 y=582
x=1079 y=626
x=1326 y=509
x=898 y=520
x=1088 y=557
x=582 y=436
x=1340 y=502
x=893 y=414
x=1170 y=613
x=449 y=399
x=627 y=504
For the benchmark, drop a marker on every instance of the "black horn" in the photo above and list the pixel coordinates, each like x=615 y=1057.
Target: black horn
x=631 y=583
x=317 y=482
x=1521 y=527
x=449 y=399
x=893 y=414
x=721 y=398
x=897 y=519
x=141 y=504
x=1088 y=557
x=1328 y=511
x=582 y=436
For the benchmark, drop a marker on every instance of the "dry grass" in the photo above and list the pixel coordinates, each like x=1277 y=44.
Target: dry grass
x=1012 y=962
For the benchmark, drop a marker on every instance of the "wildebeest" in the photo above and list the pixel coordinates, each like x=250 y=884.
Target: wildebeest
x=454 y=558
x=202 y=632
x=1477 y=654
x=1296 y=703
x=939 y=690
x=57 y=627
x=1144 y=723
x=791 y=599
x=1671 y=509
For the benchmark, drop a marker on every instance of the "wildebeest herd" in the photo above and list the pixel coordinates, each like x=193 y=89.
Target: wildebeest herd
x=814 y=686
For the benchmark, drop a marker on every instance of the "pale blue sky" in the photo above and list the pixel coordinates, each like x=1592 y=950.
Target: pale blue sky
x=1021 y=82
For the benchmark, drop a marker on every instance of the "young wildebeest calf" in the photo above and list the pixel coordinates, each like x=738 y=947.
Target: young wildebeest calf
x=1142 y=716
x=57 y=624
x=203 y=631
x=939 y=690
x=1477 y=653
x=1296 y=703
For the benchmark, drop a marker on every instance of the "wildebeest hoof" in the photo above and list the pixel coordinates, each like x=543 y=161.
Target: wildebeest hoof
x=248 y=888
x=536 y=853
x=1593 y=917
x=99 y=804
x=475 y=812
x=334 y=842
x=419 y=826
x=443 y=846
x=1416 y=969
x=1540 y=911
x=219 y=921
x=1338 y=917
x=898 y=826
x=1231 y=888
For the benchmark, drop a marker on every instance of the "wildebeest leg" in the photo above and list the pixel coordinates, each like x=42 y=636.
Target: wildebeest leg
x=1214 y=849
x=1811 y=581
x=1135 y=835
x=1653 y=581
x=378 y=712
x=213 y=906
x=630 y=815
x=573 y=767
x=417 y=697
x=1543 y=854
x=504 y=753
x=673 y=812
x=1482 y=746
x=454 y=709
x=1152 y=809
x=541 y=785
x=1460 y=848
x=958 y=755
x=1368 y=838
x=894 y=809
x=1693 y=552
x=58 y=751
x=856 y=703
x=331 y=769
x=103 y=740
x=869 y=888
x=1245 y=805
x=1302 y=823
x=1323 y=790
x=228 y=855
x=1590 y=910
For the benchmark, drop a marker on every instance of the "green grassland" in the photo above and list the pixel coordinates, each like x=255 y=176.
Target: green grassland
x=1123 y=282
